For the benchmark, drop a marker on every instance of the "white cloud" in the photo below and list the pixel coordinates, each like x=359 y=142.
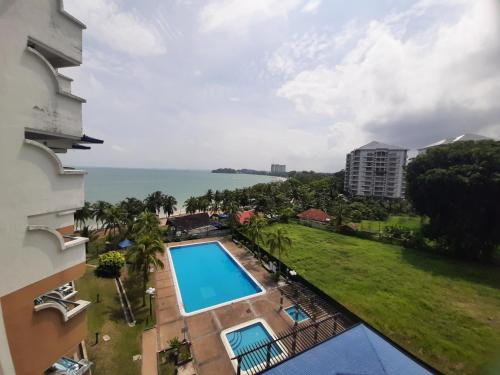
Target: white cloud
x=239 y=15
x=311 y=6
x=299 y=53
x=390 y=74
x=117 y=148
x=121 y=30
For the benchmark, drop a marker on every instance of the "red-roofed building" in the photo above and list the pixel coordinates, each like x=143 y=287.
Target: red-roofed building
x=314 y=214
x=245 y=215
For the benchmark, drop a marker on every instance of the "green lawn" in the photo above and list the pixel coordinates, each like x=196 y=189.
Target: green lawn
x=410 y=222
x=106 y=317
x=444 y=311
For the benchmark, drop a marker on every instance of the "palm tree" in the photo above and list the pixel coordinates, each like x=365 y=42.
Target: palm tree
x=279 y=242
x=114 y=220
x=133 y=207
x=99 y=211
x=233 y=209
x=169 y=204
x=83 y=214
x=146 y=223
x=154 y=202
x=339 y=204
x=254 y=227
x=191 y=205
x=91 y=234
x=203 y=204
x=143 y=255
x=209 y=195
x=214 y=207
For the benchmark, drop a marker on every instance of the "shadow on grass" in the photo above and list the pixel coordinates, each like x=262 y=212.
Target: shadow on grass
x=452 y=268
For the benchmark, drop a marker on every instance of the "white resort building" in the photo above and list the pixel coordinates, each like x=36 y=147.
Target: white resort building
x=376 y=170
x=42 y=321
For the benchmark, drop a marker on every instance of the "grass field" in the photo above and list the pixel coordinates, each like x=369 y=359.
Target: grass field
x=410 y=222
x=106 y=317
x=444 y=311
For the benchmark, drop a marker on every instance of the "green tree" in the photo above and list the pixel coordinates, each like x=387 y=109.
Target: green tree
x=191 y=205
x=99 y=211
x=254 y=227
x=169 y=205
x=132 y=207
x=458 y=187
x=114 y=220
x=146 y=223
x=279 y=242
x=110 y=264
x=233 y=210
x=339 y=209
x=144 y=254
x=82 y=215
x=154 y=202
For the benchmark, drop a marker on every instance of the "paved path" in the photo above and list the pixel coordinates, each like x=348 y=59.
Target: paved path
x=149 y=346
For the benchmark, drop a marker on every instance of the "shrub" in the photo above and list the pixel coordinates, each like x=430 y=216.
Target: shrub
x=110 y=264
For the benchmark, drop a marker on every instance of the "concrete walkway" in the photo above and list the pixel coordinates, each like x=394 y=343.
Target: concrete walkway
x=149 y=349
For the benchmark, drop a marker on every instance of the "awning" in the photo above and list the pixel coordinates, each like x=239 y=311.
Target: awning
x=125 y=243
x=87 y=139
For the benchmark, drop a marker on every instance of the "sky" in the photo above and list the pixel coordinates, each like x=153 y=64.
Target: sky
x=190 y=84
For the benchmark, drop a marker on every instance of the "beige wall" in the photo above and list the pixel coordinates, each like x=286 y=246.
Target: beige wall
x=37 y=339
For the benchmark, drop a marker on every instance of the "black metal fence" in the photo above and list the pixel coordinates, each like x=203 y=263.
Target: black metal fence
x=268 y=353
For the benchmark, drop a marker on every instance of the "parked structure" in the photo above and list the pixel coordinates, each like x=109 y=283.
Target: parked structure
x=190 y=223
x=244 y=216
x=42 y=321
x=314 y=214
x=376 y=170
x=460 y=138
x=278 y=169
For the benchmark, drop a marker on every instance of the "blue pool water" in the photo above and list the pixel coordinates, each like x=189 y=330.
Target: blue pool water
x=208 y=276
x=292 y=312
x=252 y=334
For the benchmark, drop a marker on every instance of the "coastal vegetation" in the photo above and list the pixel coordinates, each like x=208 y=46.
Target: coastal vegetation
x=444 y=311
x=457 y=187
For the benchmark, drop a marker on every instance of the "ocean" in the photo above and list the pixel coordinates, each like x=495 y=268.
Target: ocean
x=114 y=184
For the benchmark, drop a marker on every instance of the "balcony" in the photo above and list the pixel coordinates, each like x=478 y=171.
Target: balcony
x=67 y=366
x=65 y=241
x=61 y=42
x=51 y=106
x=56 y=299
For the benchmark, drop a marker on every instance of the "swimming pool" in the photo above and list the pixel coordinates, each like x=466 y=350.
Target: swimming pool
x=295 y=314
x=238 y=338
x=208 y=276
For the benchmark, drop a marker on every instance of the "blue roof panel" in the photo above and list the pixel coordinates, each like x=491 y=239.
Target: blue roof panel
x=356 y=351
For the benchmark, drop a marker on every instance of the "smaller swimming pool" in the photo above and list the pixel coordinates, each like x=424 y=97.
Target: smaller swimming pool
x=296 y=314
x=237 y=339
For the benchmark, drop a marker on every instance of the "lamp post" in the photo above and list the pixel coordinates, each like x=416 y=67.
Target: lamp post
x=151 y=292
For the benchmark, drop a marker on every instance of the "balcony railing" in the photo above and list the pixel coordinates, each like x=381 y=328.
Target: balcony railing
x=263 y=355
x=59 y=299
x=67 y=366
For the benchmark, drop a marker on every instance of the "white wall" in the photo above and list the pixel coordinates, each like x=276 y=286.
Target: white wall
x=30 y=179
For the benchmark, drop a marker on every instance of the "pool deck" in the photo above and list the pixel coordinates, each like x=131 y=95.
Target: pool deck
x=203 y=329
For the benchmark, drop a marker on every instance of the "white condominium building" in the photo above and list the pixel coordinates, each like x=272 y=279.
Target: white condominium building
x=43 y=321
x=278 y=168
x=376 y=170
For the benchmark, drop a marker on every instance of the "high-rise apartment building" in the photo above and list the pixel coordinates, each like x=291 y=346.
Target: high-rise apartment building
x=376 y=170
x=278 y=169
x=42 y=319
